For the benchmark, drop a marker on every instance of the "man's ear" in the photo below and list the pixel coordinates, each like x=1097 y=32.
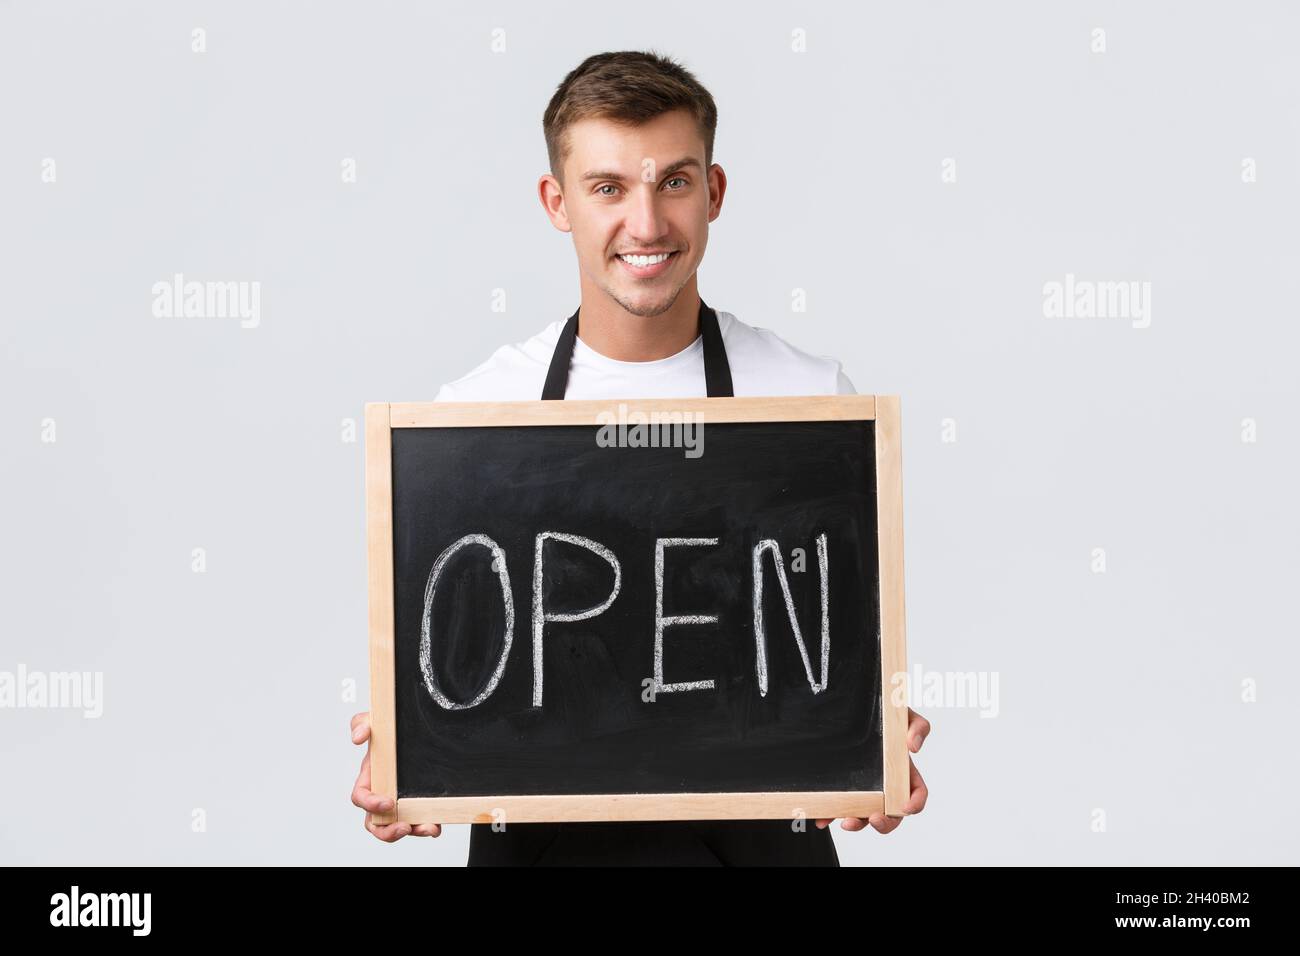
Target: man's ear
x=551 y=194
x=717 y=189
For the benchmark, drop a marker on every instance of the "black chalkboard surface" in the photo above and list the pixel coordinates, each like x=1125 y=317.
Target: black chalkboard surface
x=575 y=619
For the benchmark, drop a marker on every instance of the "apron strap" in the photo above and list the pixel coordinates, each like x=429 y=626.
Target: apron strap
x=717 y=370
x=557 y=376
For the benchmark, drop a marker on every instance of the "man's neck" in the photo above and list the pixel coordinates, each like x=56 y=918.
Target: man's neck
x=608 y=328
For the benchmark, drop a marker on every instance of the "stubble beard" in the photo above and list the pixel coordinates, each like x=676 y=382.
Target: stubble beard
x=644 y=311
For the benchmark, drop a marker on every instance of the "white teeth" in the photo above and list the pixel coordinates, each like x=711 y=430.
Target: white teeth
x=643 y=261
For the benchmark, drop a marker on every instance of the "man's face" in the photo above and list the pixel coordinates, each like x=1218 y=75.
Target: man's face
x=634 y=191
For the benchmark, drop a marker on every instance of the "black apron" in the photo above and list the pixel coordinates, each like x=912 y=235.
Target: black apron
x=651 y=842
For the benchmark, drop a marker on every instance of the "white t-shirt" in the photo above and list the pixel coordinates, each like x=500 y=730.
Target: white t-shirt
x=762 y=363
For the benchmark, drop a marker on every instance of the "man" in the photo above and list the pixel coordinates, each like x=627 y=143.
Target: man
x=630 y=141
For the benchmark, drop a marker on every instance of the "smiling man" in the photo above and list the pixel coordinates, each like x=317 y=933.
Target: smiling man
x=630 y=139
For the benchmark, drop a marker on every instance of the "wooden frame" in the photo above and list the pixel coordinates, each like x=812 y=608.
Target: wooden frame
x=884 y=410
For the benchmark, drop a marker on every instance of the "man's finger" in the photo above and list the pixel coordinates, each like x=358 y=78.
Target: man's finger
x=361 y=728
x=920 y=792
x=426 y=829
x=367 y=799
x=918 y=728
x=363 y=796
x=362 y=786
x=390 y=832
x=884 y=824
x=853 y=824
x=824 y=822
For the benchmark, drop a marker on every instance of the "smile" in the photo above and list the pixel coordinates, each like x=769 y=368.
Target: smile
x=646 y=266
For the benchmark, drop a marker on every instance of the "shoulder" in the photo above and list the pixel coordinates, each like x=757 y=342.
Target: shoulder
x=763 y=363
x=512 y=373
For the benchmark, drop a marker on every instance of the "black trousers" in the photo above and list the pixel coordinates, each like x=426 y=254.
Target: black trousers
x=653 y=843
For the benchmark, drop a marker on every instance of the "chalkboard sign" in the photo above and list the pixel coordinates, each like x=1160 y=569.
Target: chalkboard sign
x=638 y=610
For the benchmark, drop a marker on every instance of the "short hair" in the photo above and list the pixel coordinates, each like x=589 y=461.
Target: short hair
x=627 y=87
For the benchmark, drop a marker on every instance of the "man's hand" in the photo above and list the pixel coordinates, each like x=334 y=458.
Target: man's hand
x=371 y=802
x=918 y=728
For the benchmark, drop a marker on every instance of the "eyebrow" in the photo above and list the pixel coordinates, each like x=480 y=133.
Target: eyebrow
x=666 y=171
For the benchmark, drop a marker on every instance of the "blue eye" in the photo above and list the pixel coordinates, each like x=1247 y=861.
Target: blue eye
x=606 y=186
x=677 y=179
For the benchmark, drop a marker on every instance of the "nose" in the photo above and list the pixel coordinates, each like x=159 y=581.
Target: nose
x=645 y=223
